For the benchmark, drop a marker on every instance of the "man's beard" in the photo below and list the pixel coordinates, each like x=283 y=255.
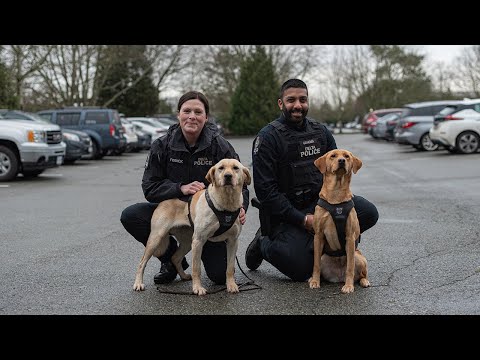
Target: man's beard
x=291 y=119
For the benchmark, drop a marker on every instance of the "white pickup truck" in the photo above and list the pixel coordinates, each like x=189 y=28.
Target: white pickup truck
x=29 y=148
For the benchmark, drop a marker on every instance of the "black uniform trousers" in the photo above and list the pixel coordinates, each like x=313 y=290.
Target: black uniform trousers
x=136 y=220
x=290 y=247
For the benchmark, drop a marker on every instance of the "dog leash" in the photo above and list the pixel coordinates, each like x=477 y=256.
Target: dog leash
x=250 y=282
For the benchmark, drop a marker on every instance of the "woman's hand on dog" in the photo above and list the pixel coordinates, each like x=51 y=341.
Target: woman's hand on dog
x=192 y=188
x=242 y=216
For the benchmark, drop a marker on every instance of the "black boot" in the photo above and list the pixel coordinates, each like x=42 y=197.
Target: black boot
x=253 y=255
x=167 y=272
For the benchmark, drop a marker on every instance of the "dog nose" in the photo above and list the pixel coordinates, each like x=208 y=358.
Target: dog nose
x=228 y=178
x=341 y=161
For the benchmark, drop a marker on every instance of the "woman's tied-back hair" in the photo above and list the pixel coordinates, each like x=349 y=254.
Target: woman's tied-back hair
x=292 y=83
x=191 y=95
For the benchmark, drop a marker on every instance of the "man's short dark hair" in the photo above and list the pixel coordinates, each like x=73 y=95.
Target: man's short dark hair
x=292 y=83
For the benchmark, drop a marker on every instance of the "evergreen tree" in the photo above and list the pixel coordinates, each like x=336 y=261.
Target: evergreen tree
x=254 y=103
x=141 y=99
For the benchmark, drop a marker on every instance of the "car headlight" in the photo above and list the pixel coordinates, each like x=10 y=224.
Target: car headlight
x=37 y=136
x=71 y=137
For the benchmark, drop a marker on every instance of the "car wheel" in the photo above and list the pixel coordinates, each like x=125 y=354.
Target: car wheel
x=8 y=164
x=467 y=142
x=427 y=144
x=96 y=151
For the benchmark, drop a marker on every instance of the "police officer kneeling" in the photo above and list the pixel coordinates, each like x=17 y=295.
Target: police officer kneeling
x=287 y=185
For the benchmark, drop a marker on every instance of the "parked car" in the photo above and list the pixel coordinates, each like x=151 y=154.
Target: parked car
x=413 y=127
x=151 y=126
x=385 y=125
x=372 y=116
x=79 y=144
x=457 y=127
x=28 y=147
x=130 y=135
x=103 y=125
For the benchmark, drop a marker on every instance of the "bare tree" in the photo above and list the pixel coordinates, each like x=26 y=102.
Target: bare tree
x=69 y=75
x=442 y=77
x=23 y=62
x=350 y=72
x=467 y=67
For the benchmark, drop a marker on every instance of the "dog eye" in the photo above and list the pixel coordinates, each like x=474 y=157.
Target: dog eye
x=236 y=168
x=221 y=168
x=346 y=156
x=333 y=156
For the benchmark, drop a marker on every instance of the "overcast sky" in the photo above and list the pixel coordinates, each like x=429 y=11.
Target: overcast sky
x=445 y=53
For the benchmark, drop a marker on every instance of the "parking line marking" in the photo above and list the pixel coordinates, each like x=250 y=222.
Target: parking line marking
x=52 y=175
x=5 y=186
x=398 y=221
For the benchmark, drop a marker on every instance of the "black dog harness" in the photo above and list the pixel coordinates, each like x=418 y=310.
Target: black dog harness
x=225 y=218
x=339 y=214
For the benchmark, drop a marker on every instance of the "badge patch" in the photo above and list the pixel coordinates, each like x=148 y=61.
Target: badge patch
x=256 y=145
x=339 y=210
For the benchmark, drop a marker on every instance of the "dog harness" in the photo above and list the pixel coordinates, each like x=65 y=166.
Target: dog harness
x=339 y=214
x=225 y=218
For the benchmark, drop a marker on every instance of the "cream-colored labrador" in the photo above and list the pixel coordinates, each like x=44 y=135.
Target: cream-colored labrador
x=171 y=217
x=337 y=167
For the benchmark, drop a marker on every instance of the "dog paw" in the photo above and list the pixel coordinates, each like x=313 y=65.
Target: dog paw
x=346 y=289
x=138 y=287
x=314 y=284
x=185 y=277
x=232 y=288
x=364 y=283
x=199 y=290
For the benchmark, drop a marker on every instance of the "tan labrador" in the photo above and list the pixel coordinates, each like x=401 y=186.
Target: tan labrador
x=171 y=217
x=337 y=167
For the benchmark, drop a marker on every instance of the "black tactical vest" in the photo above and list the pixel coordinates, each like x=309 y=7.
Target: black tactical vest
x=299 y=178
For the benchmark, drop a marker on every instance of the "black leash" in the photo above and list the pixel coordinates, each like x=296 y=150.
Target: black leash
x=250 y=282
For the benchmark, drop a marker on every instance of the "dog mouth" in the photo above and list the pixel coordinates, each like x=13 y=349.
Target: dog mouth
x=340 y=170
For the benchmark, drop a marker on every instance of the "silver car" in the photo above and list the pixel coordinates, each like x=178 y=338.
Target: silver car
x=414 y=124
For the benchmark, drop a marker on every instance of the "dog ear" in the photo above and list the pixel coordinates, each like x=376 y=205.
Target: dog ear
x=211 y=175
x=321 y=163
x=357 y=164
x=247 y=178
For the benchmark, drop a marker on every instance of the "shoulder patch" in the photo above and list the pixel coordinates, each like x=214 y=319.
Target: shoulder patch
x=146 y=162
x=256 y=145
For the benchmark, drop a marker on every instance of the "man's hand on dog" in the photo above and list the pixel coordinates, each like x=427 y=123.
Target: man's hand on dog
x=192 y=188
x=309 y=223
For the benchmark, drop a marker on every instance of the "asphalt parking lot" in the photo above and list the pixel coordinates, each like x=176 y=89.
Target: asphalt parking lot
x=64 y=250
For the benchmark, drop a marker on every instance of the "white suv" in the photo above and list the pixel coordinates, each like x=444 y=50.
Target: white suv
x=29 y=148
x=457 y=127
